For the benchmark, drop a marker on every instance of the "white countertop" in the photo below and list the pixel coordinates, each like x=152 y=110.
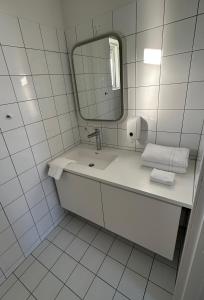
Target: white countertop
x=127 y=172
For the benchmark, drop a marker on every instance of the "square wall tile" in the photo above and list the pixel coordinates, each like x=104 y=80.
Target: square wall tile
x=177 y=10
x=31 y=34
x=36 y=133
x=147 y=97
x=56 y=145
x=24 y=88
x=30 y=111
x=109 y=136
x=197 y=66
x=51 y=127
x=54 y=62
x=149 y=16
x=10 y=123
x=61 y=103
x=84 y=31
x=10 y=191
x=149 y=39
x=34 y=195
x=16 y=140
x=23 y=224
x=199 y=43
x=47 y=107
x=168 y=139
x=62 y=40
x=175 y=68
x=58 y=84
x=178 y=37
x=23 y=161
x=201 y=6
x=172 y=96
x=7 y=94
x=129 y=53
x=37 y=62
x=42 y=85
x=190 y=141
x=39 y=211
x=165 y=118
x=195 y=95
x=67 y=138
x=123 y=24
x=193 y=121
x=29 y=179
x=49 y=36
x=103 y=23
x=7 y=170
x=10 y=31
x=3 y=150
x=29 y=240
x=3 y=67
x=16 y=209
x=16 y=60
x=147 y=74
x=41 y=152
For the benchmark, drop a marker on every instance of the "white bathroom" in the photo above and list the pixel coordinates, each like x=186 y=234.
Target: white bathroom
x=101 y=149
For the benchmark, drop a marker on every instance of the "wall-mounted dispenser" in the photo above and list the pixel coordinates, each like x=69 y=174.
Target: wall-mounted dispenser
x=134 y=128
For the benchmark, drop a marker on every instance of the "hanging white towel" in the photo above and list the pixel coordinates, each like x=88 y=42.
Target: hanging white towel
x=163 y=177
x=57 y=166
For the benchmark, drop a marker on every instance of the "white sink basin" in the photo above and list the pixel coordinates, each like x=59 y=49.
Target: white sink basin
x=93 y=159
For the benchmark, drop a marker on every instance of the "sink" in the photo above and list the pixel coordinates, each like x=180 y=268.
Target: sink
x=93 y=159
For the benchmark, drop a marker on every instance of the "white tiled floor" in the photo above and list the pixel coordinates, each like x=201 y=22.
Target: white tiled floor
x=79 y=260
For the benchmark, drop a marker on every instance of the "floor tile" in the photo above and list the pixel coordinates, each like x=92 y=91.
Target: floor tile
x=80 y=280
x=153 y=292
x=120 y=251
x=8 y=283
x=48 y=288
x=24 y=266
x=132 y=285
x=100 y=290
x=111 y=271
x=49 y=256
x=140 y=263
x=66 y=220
x=103 y=241
x=64 y=267
x=17 y=292
x=172 y=263
x=119 y=296
x=67 y=294
x=88 y=233
x=63 y=239
x=93 y=259
x=77 y=248
x=53 y=233
x=33 y=275
x=163 y=275
x=31 y=298
x=40 y=248
x=75 y=225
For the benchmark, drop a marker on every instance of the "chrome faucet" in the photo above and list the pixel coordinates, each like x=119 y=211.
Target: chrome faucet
x=97 y=134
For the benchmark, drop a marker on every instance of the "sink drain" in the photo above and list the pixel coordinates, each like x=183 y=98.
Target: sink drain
x=91 y=165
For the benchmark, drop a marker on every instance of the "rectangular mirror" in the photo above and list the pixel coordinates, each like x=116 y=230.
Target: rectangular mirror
x=97 y=68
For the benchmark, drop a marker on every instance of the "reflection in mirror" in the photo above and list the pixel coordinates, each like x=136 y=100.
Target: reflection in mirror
x=97 y=69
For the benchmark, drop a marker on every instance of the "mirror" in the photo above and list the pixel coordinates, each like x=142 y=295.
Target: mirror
x=97 y=68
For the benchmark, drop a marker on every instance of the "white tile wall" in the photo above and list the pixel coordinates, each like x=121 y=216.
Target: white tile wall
x=166 y=94
x=34 y=75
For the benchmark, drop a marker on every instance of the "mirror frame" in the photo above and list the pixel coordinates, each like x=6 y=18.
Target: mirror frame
x=100 y=37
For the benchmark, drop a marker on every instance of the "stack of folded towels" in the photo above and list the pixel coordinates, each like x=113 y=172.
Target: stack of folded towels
x=169 y=159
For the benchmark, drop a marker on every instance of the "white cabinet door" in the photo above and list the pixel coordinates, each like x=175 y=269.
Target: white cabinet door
x=81 y=196
x=146 y=221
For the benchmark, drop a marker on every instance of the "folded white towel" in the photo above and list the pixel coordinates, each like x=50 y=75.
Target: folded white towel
x=170 y=156
x=164 y=167
x=57 y=166
x=162 y=177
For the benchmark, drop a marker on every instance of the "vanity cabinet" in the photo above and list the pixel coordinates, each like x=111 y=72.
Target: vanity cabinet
x=81 y=196
x=146 y=221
